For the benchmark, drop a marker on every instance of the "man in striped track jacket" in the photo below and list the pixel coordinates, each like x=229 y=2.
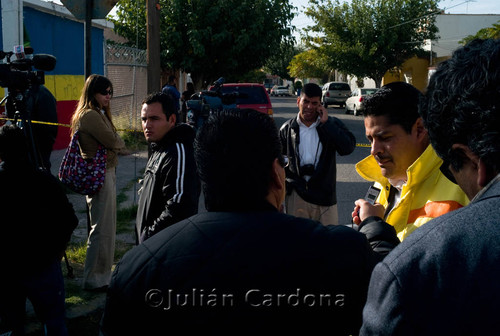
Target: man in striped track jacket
x=170 y=189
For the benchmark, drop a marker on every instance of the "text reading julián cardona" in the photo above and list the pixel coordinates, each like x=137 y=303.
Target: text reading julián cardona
x=253 y=297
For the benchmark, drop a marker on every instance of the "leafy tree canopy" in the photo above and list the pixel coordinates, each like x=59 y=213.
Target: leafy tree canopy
x=309 y=64
x=366 y=38
x=485 y=33
x=279 y=61
x=210 y=39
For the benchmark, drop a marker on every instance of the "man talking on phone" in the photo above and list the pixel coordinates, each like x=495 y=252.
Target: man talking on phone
x=311 y=141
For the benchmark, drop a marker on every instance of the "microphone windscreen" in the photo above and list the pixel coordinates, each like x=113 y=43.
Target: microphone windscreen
x=44 y=62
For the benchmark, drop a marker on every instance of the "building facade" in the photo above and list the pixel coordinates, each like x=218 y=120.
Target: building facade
x=50 y=28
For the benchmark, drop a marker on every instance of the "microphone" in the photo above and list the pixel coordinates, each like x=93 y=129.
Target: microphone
x=44 y=62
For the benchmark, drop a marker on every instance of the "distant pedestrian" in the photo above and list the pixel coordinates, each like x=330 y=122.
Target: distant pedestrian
x=92 y=119
x=171 y=89
x=186 y=95
x=311 y=140
x=170 y=189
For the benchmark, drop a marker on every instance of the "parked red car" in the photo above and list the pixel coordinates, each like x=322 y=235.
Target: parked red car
x=252 y=95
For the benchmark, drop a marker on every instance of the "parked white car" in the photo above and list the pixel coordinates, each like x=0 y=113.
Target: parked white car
x=280 y=91
x=355 y=102
x=335 y=93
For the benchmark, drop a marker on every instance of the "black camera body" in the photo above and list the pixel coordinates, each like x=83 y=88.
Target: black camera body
x=202 y=104
x=19 y=80
x=19 y=75
x=23 y=85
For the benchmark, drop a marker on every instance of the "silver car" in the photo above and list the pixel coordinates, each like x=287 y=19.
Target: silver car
x=355 y=101
x=280 y=91
x=335 y=93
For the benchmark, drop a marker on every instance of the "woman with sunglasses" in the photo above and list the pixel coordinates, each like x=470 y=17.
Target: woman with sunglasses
x=92 y=119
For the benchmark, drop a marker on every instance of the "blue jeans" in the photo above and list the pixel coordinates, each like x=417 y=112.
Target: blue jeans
x=45 y=290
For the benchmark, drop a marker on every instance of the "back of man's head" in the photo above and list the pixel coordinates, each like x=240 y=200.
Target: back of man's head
x=398 y=101
x=13 y=146
x=462 y=104
x=311 y=90
x=166 y=100
x=234 y=152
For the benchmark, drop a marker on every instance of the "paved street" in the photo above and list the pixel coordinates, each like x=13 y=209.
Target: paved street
x=350 y=186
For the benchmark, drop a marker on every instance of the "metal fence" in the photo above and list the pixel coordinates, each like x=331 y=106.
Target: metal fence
x=127 y=69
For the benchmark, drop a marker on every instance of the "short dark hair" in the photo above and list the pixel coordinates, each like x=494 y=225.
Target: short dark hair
x=311 y=90
x=166 y=101
x=234 y=153
x=398 y=101
x=462 y=104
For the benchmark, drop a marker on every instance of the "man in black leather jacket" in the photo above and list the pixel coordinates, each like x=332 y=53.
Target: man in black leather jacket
x=170 y=189
x=243 y=267
x=311 y=141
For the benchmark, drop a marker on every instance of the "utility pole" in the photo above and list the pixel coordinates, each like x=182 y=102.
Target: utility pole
x=12 y=24
x=88 y=10
x=153 y=46
x=88 y=37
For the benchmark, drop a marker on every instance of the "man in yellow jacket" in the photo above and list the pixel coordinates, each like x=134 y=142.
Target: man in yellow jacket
x=411 y=188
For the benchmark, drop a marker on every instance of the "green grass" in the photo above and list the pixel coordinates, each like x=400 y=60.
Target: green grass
x=134 y=141
x=76 y=252
x=124 y=217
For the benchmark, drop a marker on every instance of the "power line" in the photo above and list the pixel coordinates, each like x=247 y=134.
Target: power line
x=430 y=14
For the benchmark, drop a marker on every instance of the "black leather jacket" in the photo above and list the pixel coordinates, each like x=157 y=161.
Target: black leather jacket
x=321 y=187
x=248 y=256
x=170 y=189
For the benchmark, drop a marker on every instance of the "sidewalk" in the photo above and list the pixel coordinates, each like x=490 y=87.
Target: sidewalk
x=129 y=170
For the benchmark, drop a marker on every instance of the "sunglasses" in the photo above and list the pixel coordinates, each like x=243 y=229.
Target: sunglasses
x=106 y=92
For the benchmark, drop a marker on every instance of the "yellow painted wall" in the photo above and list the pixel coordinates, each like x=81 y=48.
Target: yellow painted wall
x=416 y=67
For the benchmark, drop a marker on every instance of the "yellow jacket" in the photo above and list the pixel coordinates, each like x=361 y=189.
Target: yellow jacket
x=426 y=194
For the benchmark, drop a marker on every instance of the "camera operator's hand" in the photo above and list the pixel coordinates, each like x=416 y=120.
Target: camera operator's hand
x=323 y=114
x=364 y=209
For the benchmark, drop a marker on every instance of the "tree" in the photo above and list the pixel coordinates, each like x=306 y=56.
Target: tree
x=485 y=33
x=309 y=64
x=210 y=39
x=277 y=64
x=369 y=37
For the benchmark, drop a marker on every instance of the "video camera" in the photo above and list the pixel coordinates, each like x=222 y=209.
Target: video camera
x=202 y=104
x=18 y=74
x=23 y=85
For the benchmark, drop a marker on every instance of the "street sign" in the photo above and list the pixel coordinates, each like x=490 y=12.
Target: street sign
x=100 y=8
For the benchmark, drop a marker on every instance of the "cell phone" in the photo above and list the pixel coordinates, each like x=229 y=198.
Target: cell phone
x=372 y=194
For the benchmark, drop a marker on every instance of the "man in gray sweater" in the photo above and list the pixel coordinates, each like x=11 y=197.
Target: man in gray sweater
x=445 y=278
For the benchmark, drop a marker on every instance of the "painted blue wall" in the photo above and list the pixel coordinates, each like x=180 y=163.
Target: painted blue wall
x=64 y=39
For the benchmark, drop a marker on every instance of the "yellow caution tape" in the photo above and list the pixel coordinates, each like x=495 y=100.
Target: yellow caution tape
x=66 y=125
x=124 y=129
